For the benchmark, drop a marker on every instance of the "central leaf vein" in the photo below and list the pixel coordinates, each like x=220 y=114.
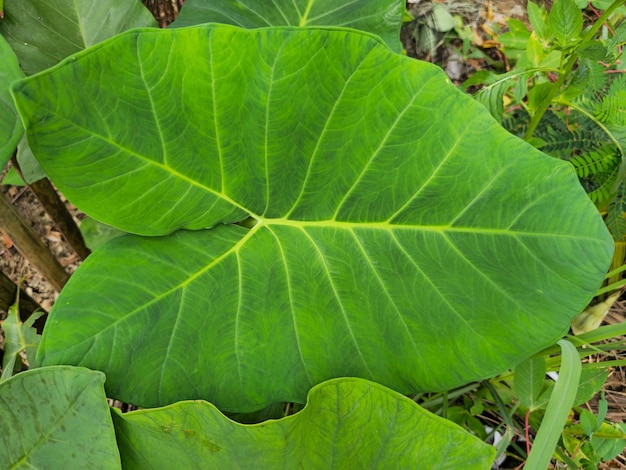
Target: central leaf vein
x=294 y=318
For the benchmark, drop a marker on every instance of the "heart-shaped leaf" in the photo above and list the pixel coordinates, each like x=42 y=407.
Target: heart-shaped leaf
x=11 y=129
x=399 y=234
x=347 y=423
x=381 y=17
x=42 y=32
x=56 y=416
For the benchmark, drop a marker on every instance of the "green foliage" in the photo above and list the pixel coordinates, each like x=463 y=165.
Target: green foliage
x=382 y=17
x=565 y=22
x=56 y=416
x=529 y=380
x=561 y=400
x=296 y=218
x=287 y=295
x=586 y=123
x=195 y=434
x=10 y=126
x=18 y=338
x=600 y=170
x=42 y=33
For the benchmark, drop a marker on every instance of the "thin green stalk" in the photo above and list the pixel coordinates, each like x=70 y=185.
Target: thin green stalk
x=612 y=287
x=564 y=73
x=506 y=417
x=560 y=403
x=438 y=399
x=615 y=272
x=592 y=118
x=593 y=336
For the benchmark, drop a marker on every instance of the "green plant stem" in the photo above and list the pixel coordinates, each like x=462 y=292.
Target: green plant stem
x=612 y=287
x=438 y=399
x=564 y=73
x=615 y=272
x=560 y=403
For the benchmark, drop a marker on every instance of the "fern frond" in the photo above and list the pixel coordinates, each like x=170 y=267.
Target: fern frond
x=595 y=78
x=599 y=172
x=596 y=163
x=616 y=215
x=612 y=108
x=565 y=140
x=618 y=39
x=491 y=95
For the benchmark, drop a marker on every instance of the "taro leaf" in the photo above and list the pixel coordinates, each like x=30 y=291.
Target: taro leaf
x=97 y=234
x=56 y=417
x=401 y=234
x=347 y=423
x=11 y=129
x=42 y=32
x=31 y=170
x=381 y=17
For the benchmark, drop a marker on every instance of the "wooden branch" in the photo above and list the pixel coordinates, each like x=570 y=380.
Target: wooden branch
x=61 y=217
x=29 y=245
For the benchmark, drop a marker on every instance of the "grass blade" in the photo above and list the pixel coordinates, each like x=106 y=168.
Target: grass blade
x=559 y=405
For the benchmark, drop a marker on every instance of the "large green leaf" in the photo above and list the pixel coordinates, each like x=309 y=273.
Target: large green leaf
x=42 y=32
x=381 y=17
x=347 y=423
x=11 y=129
x=401 y=235
x=56 y=417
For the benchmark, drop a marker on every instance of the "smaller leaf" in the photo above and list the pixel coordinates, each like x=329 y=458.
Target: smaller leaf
x=537 y=16
x=444 y=21
x=588 y=422
x=618 y=39
x=535 y=52
x=56 y=417
x=608 y=449
x=491 y=95
x=566 y=21
x=11 y=129
x=592 y=50
x=381 y=17
x=604 y=4
x=591 y=382
x=517 y=37
x=529 y=380
x=31 y=170
x=18 y=337
x=13 y=178
x=538 y=94
x=42 y=33
x=604 y=431
x=347 y=423
x=97 y=233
